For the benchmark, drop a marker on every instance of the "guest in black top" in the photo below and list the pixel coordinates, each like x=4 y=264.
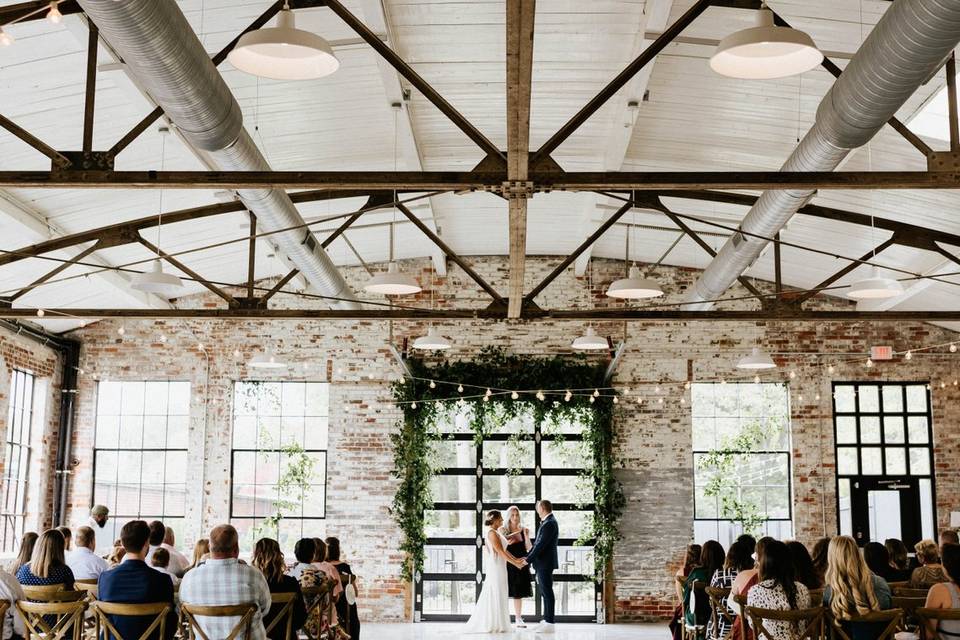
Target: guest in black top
x=346 y=612
x=878 y=559
x=269 y=559
x=519 y=585
x=134 y=582
x=47 y=566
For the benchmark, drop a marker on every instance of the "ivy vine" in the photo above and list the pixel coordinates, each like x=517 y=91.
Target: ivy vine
x=414 y=441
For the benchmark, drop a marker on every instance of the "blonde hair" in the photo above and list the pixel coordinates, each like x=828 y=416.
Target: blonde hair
x=505 y=529
x=48 y=554
x=927 y=551
x=200 y=549
x=850 y=580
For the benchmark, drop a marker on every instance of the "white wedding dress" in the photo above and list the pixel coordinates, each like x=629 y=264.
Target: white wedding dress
x=492 y=611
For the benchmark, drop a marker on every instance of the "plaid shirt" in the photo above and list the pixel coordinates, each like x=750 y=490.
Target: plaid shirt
x=222 y=582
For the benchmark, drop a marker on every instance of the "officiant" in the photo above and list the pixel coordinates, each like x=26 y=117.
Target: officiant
x=519 y=584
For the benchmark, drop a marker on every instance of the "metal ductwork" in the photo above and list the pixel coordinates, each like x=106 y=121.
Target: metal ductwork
x=158 y=45
x=908 y=44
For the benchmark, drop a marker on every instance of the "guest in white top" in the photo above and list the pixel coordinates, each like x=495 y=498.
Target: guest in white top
x=161 y=562
x=222 y=580
x=11 y=591
x=178 y=562
x=157 y=531
x=85 y=564
x=98 y=522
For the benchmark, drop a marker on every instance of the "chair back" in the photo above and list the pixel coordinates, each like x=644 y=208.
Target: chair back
x=320 y=606
x=284 y=615
x=816 y=597
x=904 y=592
x=101 y=611
x=893 y=618
x=51 y=593
x=909 y=606
x=85 y=581
x=68 y=619
x=244 y=611
x=899 y=585
x=807 y=623
x=92 y=590
x=720 y=616
x=929 y=618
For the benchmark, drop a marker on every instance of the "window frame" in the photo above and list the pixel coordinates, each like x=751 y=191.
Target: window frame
x=20 y=411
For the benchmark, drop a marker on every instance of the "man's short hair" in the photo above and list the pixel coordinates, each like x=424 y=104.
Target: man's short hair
x=223 y=539
x=949 y=536
x=546 y=505
x=156 y=533
x=134 y=535
x=160 y=558
x=304 y=550
x=86 y=537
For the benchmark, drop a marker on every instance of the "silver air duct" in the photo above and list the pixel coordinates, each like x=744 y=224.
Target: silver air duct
x=907 y=46
x=155 y=40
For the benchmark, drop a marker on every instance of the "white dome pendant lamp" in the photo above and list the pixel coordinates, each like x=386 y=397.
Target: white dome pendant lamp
x=874 y=287
x=589 y=341
x=765 y=51
x=284 y=52
x=433 y=341
x=757 y=360
x=634 y=286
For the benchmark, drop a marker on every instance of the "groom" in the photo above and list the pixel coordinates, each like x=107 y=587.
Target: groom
x=543 y=557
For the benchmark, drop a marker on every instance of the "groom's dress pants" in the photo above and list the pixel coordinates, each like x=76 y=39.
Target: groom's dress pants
x=545 y=581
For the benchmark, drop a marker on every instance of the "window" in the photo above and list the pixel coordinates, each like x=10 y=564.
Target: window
x=741 y=460
x=279 y=460
x=517 y=464
x=140 y=451
x=17 y=458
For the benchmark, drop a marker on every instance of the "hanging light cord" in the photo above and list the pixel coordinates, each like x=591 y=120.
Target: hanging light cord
x=163 y=161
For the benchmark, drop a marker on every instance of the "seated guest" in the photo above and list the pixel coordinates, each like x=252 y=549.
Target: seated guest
x=11 y=591
x=742 y=584
x=161 y=562
x=899 y=559
x=803 y=570
x=346 y=612
x=269 y=559
x=737 y=560
x=116 y=556
x=819 y=557
x=777 y=589
x=157 y=532
x=85 y=564
x=222 y=580
x=320 y=563
x=946 y=595
x=47 y=566
x=303 y=551
x=853 y=590
x=178 y=562
x=200 y=552
x=26 y=551
x=712 y=557
x=878 y=559
x=133 y=582
x=948 y=536
x=690 y=560
x=930 y=571
x=67 y=538
x=309 y=575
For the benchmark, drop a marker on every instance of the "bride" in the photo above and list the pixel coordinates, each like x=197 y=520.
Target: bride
x=492 y=611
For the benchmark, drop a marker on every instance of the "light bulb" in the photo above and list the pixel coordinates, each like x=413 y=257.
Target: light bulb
x=592 y=399
x=567 y=396
x=799 y=398
x=943 y=385
x=236 y=353
x=121 y=330
x=5 y=38
x=370 y=376
x=54 y=16
x=163 y=338
x=433 y=385
x=41 y=313
x=793 y=374
x=656 y=389
x=514 y=395
x=683 y=400
x=660 y=400
x=756 y=379
x=830 y=369
x=486 y=398
x=723 y=381
x=460 y=388
x=686 y=385
x=817 y=397
x=954 y=383
x=437 y=404
x=413 y=405
x=639 y=400
x=199 y=346
x=616 y=400
x=596 y=393
x=953 y=347
x=869 y=362
x=908 y=355
x=488 y=393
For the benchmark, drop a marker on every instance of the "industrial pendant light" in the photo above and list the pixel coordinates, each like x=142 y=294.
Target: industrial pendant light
x=874 y=287
x=155 y=280
x=589 y=341
x=765 y=51
x=757 y=360
x=284 y=52
x=266 y=360
x=634 y=286
x=433 y=341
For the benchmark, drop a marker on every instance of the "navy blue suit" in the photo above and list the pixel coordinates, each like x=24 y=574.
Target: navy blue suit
x=133 y=582
x=543 y=558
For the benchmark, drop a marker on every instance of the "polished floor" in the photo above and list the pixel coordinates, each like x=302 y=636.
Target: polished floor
x=444 y=631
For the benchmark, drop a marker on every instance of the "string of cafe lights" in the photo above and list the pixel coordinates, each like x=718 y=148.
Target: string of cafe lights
x=53 y=17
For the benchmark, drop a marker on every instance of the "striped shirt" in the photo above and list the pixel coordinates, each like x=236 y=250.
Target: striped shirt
x=224 y=582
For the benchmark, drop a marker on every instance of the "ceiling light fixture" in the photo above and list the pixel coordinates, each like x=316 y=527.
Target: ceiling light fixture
x=157 y=281
x=53 y=15
x=267 y=360
x=874 y=287
x=634 y=286
x=757 y=360
x=5 y=38
x=284 y=52
x=765 y=51
x=433 y=341
x=589 y=341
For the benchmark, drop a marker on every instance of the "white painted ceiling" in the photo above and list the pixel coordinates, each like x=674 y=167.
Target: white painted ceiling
x=691 y=119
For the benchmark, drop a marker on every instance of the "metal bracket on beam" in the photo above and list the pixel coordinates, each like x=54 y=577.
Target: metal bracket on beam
x=86 y=161
x=944 y=161
x=516 y=189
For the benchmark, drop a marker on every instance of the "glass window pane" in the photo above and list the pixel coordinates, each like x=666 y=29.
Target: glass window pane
x=573 y=524
x=455 y=454
x=510 y=489
x=847 y=461
x=177 y=431
x=565 y=454
x=155 y=399
x=918 y=430
x=449 y=598
x=315 y=432
x=108 y=431
x=919 y=461
x=450 y=559
x=108 y=398
x=869 y=398
x=704 y=432
x=575 y=560
x=892 y=398
x=870 y=459
x=451 y=524
x=508 y=455
x=896 y=458
x=917 y=398
x=893 y=432
x=131 y=431
x=179 y=403
x=454 y=489
x=844 y=399
x=870 y=430
x=846 y=513
x=846 y=430
x=567 y=489
x=154 y=432
x=131 y=402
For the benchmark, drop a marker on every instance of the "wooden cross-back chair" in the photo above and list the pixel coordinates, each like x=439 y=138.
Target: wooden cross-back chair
x=320 y=608
x=909 y=606
x=67 y=623
x=893 y=618
x=905 y=592
x=719 y=612
x=927 y=618
x=242 y=627
x=807 y=623
x=101 y=611
x=91 y=589
x=701 y=602
x=51 y=593
x=284 y=614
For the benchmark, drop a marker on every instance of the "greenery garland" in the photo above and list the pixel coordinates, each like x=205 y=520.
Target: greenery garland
x=418 y=432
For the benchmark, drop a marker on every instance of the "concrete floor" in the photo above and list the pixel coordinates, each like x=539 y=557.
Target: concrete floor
x=451 y=631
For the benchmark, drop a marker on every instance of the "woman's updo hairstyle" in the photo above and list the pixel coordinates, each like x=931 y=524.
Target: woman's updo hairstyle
x=492 y=516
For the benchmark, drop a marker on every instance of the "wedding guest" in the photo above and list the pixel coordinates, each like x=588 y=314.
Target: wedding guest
x=899 y=559
x=712 y=557
x=116 y=556
x=200 y=552
x=519 y=583
x=160 y=561
x=741 y=586
x=819 y=556
x=778 y=589
x=11 y=591
x=133 y=582
x=26 y=550
x=320 y=563
x=803 y=570
x=853 y=590
x=157 y=532
x=178 y=562
x=47 y=566
x=737 y=560
x=878 y=559
x=949 y=536
x=67 y=538
x=222 y=580
x=946 y=595
x=930 y=571
x=691 y=558
x=99 y=515
x=310 y=574
x=85 y=564
x=346 y=612
x=269 y=559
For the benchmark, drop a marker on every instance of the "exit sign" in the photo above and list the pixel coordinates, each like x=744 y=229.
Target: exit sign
x=881 y=353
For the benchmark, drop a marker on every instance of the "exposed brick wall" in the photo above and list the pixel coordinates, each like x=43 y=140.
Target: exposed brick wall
x=653 y=445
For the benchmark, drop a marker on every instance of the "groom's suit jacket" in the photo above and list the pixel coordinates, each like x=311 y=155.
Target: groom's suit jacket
x=543 y=555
